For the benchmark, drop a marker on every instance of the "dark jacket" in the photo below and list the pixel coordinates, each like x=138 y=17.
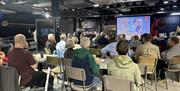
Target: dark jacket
x=51 y=45
x=84 y=59
x=69 y=53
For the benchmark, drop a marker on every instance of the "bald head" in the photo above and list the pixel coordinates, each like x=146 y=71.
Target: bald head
x=20 y=41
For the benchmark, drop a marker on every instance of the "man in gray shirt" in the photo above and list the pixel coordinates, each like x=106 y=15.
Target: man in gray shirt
x=173 y=51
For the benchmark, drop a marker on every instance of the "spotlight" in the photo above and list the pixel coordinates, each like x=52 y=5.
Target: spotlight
x=96 y=5
x=47 y=15
x=161 y=9
x=166 y=2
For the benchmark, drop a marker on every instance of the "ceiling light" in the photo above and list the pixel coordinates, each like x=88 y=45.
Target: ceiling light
x=47 y=15
x=2 y=2
x=174 y=6
x=107 y=7
x=175 y=13
x=46 y=8
x=96 y=5
x=161 y=9
x=166 y=2
x=160 y=12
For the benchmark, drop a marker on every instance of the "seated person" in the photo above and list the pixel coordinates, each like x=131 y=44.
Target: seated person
x=84 y=59
x=111 y=48
x=135 y=43
x=122 y=65
x=70 y=51
x=51 y=42
x=3 y=58
x=25 y=64
x=147 y=48
x=173 y=51
x=60 y=47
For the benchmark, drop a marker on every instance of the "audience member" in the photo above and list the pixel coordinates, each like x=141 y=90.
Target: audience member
x=123 y=66
x=60 y=47
x=135 y=43
x=111 y=48
x=84 y=59
x=173 y=51
x=103 y=41
x=51 y=42
x=70 y=51
x=95 y=39
x=25 y=64
x=76 y=46
x=3 y=58
x=147 y=48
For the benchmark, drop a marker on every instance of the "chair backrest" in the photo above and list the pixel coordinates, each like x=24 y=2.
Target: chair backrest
x=67 y=61
x=143 y=69
x=47 y=51
x=175 y=60
x=148 y=60
x=53 y=60
x=117 y=84
x=75 y=73
x=9 y=79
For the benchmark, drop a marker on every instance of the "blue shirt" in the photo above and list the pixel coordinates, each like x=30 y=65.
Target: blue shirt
x=111 y=48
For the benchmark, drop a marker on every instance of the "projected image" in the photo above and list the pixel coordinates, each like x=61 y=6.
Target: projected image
x=133 y=25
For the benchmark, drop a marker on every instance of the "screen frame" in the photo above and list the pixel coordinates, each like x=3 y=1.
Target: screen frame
x=121 y=16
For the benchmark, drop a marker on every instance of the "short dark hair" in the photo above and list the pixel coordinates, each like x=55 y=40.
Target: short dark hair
x=136 y=37
x=175 y=40
x=122 y=47
x=147 y=37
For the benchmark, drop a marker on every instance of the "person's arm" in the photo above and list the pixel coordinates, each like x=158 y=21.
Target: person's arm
x=31 y=61
x=94 y=67
x=137 y=75
x=105 y=50
x=34 y=66
x=137 y=53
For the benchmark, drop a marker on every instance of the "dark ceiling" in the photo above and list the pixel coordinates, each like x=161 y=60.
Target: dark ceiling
x=85 y=8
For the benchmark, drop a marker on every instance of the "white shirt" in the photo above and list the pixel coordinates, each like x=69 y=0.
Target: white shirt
x=111 y=48
x=61 y=45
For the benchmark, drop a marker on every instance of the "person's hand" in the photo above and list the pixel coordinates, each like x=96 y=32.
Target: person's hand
x=98 y=61
x=2 y=55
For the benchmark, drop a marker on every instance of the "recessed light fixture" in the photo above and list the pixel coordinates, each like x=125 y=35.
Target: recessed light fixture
x=174 y=6
x=160 y=12
x=107 y=7
x=96 y=5
x=166 y=2
x=175 y=13
x=47 y=15
x=161 y=9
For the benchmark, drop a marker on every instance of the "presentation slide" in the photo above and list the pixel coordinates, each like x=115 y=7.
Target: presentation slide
x=133 y=25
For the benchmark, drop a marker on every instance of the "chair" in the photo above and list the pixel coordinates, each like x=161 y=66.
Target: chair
x=117 y=84
x=67 y=62
x=45 y=88
x=47 y=51
x=55 y=61
x=151 y=63
x=174 y=61
x=143 y=70
x=9 y=78
x=77 y=74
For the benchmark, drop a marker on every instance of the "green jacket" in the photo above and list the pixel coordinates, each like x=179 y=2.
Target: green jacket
x=124 y=67
x=82 y=53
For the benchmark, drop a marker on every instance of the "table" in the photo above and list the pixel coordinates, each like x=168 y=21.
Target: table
x=41 y=60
